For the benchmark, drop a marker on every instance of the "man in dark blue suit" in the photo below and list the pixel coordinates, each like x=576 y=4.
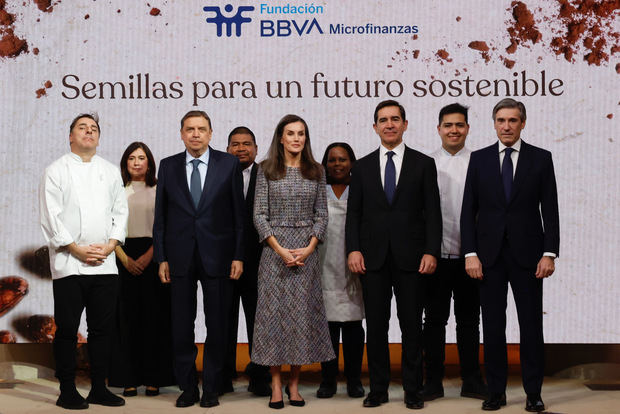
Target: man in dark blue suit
x=510 y=234
x=198 y=236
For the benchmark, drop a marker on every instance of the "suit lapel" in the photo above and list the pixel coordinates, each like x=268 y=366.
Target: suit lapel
x=375 y=173
x=405 y=171
x=212 y=177
x=495 y=172
x=523 y=168
x=181 y=177
x=249 y=197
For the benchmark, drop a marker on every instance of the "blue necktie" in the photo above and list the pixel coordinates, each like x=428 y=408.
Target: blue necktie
x=507 y=172
x=390 y=178
x=194 y=187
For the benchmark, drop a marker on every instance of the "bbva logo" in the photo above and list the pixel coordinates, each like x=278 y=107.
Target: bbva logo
x=235 y=20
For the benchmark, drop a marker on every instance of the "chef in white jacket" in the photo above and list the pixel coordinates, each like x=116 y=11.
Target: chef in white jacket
x=83 y=213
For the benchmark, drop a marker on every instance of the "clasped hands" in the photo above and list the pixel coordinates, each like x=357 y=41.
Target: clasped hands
x=92 y=254
x=295 y=257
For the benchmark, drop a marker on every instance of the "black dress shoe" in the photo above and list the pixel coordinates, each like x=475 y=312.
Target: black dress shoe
x=71 y=400
x=209 y=399
x=375 y=399
x=151 y=392
x=326 y=390
x=355 y=389
x=294 y=403
x=431 y=391
x=474 y=388
x=276 y=405
x=103 y=396
x=226 y=388
x=413 y=401
x=130 y=392
x=495 y=402
x=259 y=388
x=188 y=398
x=534 y=403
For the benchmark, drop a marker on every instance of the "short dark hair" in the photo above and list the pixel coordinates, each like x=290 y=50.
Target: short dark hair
x=92 y=116
x=150 y=178
x=454 y=108
x=193 y=114
x=510 y=103
x=242 y=130
x=342 y=145
x=390 y=102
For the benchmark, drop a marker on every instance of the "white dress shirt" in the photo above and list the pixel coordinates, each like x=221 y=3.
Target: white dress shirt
x=451 y=174
x=85 y=203
x=202 y=168
x=247 y=174
x=399 y=152
x=514 y=156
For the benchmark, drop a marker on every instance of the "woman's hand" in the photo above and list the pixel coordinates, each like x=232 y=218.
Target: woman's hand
x=287 y=256
x=134 y=267
x=300 y=255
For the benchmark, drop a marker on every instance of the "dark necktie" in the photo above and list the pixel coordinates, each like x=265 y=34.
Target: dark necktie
x=390 y=178
x=194 y=187
x=507 y=172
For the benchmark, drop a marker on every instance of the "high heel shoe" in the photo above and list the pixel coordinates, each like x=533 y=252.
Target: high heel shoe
x=294 y=403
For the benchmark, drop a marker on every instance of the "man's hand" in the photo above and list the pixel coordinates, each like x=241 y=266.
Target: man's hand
x=473 y=267
x=356 y=262
x=545 y=267
x=164 y=272
x=236 y=268
x=428 y=264
x=87 y=254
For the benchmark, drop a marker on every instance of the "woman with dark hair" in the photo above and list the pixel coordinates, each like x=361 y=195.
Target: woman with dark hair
x=342 y=290
x=290 y=215
x=142 y=347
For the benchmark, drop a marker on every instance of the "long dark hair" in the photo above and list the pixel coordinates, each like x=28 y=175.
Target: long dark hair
x=150 y=178
x=342 y=145
x=274 y=167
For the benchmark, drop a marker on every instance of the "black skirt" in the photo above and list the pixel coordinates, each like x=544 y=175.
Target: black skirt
x=142 y=343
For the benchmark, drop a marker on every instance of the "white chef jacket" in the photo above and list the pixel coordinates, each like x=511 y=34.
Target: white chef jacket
x=85 y=203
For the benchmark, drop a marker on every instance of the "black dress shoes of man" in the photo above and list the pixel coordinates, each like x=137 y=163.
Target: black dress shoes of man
x=534 y=403
x=71 y=399
x=474 y=388
x=209 y=399
x=327 y=389
x=103 y=396
x=413 y=401
x=375 y=399
x=259 y=388
x=188 y=398
x=225 y=388
x=495 y=402
x=355 y=389
x=431 y=391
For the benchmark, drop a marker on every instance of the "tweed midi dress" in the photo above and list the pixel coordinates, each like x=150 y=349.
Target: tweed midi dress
x=290 y=325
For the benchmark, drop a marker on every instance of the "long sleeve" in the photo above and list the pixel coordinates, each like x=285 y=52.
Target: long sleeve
x=432 y=211
x=549 y=210
x=320 y=210
x=469 y=210
x=120 y=211
x=50 y=209
x=159 y=221
x=261 y=207
x=354 y=212
x=239 y=212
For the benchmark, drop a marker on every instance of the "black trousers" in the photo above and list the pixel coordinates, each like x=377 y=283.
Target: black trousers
x=246 y=292
x=450 y=279
x=73 y=294
x=377 y=288
x=142 y=339
x=217 y=294
x=527 y=292
x=352 y=351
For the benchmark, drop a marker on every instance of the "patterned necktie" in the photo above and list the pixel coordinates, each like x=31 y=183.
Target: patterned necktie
x=390 y=178
x=507 y=172
x=194 y=188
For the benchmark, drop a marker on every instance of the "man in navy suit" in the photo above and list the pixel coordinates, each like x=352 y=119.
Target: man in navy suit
x=510 y=234
x=393 y=239
x=198 y=236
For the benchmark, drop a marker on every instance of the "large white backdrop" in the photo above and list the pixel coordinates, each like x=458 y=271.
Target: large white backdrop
x=77 y=45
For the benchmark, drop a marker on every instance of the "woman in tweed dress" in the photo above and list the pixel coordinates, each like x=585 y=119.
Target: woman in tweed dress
x=290 y=215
